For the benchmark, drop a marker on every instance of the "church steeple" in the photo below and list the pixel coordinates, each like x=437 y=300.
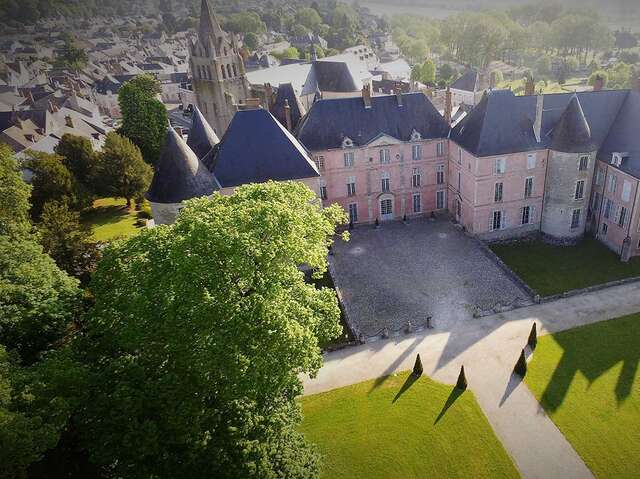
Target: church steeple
x=209 y=27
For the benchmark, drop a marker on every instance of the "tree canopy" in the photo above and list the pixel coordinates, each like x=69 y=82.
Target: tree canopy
x=199 y=332
x=14 y=196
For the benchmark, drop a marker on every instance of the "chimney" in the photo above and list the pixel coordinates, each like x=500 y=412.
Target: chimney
x=598 y=84
x=287 y=115
x=398 y=92
x=366 y=96
x=448 y=106
x=537 y=125
x=530 y=86
x=268 y=93
x=69 y=121
x=250 y=104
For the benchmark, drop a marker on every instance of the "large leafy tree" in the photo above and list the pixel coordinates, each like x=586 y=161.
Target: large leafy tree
x=144 y=117
x=78 y=156
x=14 y=196
x=38 y=301
x=198 y=335
x=121 y=170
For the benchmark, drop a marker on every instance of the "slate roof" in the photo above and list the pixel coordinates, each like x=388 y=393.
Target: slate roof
x=330 y=76
x=330 y=121
x=572 y=134
x=179 y=175
x=502 y=123
x=467 y=82
x=202 y=138
x=286 y=92
x=257 y=148
x=623 y=136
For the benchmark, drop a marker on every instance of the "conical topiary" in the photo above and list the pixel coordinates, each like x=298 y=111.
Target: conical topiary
x=417 y=367
x=533 y=337
x=462 y=380
x=521 y=365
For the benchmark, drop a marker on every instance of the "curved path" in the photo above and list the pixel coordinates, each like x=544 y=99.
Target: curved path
x=488 y=348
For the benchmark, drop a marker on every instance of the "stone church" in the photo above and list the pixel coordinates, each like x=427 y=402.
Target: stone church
x=219 y=78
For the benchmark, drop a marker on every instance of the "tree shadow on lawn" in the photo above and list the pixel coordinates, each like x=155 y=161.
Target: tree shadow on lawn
x=580 y=347
x=455 y=394
x=105 y=215
x=412 y=378
x=394 y=365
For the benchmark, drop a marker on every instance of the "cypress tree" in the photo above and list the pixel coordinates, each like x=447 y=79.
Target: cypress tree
x=533 y=337
x=521 y=365
x=462 y=380
x=417 y=367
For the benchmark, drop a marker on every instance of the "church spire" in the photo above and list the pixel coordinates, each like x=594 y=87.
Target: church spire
x=209 y=26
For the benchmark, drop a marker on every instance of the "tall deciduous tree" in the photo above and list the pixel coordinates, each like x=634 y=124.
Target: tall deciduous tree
x=144 y=117
x=14 y=196
x=199 y=333
x=78 y=156
x=121 y=169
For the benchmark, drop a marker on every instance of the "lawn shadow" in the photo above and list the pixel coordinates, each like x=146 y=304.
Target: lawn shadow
x=412 y=378
x=514 y=382
x=394 y=365
x=455 y=394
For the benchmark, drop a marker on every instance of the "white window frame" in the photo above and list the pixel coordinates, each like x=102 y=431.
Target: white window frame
x=351 y=186
x=613 y=180
x=440 y=148
x=626 y=190
x=417 y=203
x=583 y=163
x=323 y=192
x=622 y=215
x=599 y=176
x=353 y=212
x=349 y=159
x=385 y=182
x=529 y=181
x=383 y=203
x=531 y=161
x=574 y=225
x=319 y=161
x=441 y=199
x=498 y=192
x=440 y=175
x=501 y=223
x=578 y=193
x=500 y=166
x=416 y=151
x=608 y=206
x=385 y=156
x=526 y=212
x=416 y=178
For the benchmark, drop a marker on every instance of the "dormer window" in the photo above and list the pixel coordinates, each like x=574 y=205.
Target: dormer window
x=616 y=159
x=347 y=142
x=415 y=136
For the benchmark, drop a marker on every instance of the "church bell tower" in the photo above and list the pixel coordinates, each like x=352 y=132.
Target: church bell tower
x=219 y=79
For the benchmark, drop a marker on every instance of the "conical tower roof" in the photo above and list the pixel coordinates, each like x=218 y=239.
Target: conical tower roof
x=179 y=175
x=209 y=25
x=202 y=138
x=572 y=133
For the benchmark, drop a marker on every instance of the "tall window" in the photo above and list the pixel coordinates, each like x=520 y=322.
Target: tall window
x=348 y=159
x=575 y=218
x=416 y=152
x=459 y=180
x=323 y=192
x=584 y=163
x=440 y=174
x=440 y=148
x=622 y=217
x=612 y=184
x=459 y=156
x=579 y=194
x=531 y=161
x=500 y=166
x=351 y=186
x=626 y=190
x=497 y=220
x=526 y=215
x=415 y=178
x=385 y=156
x=319 y=161
x=497 y=193
x=608 y=205
x=417 y=204
x=596 y=201
x=384 y=183
x=353 y=213
x=528 y=187
x=605 y=228
x=440 y=199
x=599 y=176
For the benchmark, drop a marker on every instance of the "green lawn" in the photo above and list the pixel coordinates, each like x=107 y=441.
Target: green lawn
x=109 y=219
x=556 y=269
x=587 y=380
x=368 y=431
x=571 y=85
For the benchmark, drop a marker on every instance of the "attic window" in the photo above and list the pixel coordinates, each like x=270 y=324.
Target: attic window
x=416 y=136
x=616 y=159
x=347 y=142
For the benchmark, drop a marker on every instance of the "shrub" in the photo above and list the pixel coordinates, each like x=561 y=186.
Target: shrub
x=417 y=367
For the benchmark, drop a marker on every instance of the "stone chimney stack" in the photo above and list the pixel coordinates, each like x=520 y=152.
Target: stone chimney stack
x=530 y=87
x=598 y=84
x=537 y=125
x=448 y=106
x=366 y=96
x=250 y=104
x=398 y=92
x=287 y=115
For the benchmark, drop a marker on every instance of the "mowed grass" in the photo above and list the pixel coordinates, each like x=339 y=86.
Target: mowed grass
x=110 y=219
x=366 y=431
x=587 y=380
x=552 y=270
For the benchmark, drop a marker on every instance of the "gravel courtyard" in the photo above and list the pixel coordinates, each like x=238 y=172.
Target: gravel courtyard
x=400 y=274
